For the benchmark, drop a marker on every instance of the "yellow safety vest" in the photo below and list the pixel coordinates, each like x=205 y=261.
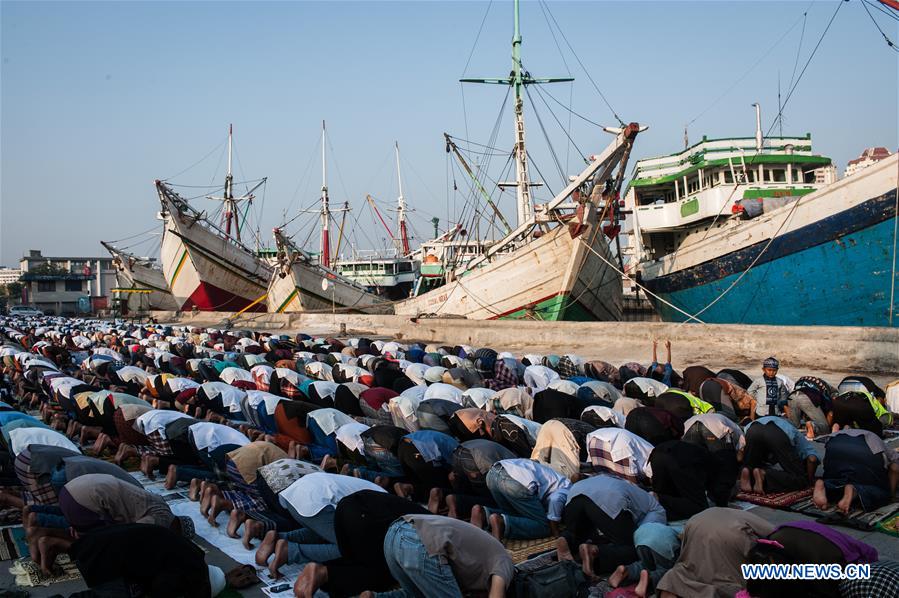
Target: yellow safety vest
x=879 y=409
x=699 y=406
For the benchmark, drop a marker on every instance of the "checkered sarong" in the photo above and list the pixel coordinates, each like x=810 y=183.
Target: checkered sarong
x=243 y=496
x=34 y=493
x=158 y=446
x=503 y=377
x=603 y=463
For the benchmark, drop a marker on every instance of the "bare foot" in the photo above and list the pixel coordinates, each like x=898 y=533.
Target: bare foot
x=403 y=490
x=588 y=553
x=279 y=559
x=435 y=500
x=618 y=576
x=846 y=502
x=819 y=497
x=148 y=465
x=745 y=482
x=383 y=482
x=194 y=492
x=642 y=589
x=346 y=469
x=478 y=517
x=266 y=549
x=810 y=430
x=328 y=463
x=171 y=477
x=563 y=551
x=235 y=520
x=758 y=476
x=251 y=529
x=497 y=526
x=451 y=507
x=217 y=505
x=314 y=576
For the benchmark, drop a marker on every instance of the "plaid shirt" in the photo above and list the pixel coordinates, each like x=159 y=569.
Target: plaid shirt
x=602 y=462
x=503 y=377
x=33 y=493
x=566 y=367
x=158 y=446
x=884 y=581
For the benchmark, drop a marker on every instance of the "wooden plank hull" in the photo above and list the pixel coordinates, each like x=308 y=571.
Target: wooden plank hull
x=206 y=271
x=553 y=277
x=300 y=290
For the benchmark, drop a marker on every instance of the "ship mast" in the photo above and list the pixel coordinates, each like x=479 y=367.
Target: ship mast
x=401 y=205
x=230 y=207
x=325 y=210
x=518 y=78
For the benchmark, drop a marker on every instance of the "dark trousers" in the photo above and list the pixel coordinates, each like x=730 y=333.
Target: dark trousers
x=422 y=475
x=680 y=474
x=766 y=445
x=855 y=410
x=584 y=521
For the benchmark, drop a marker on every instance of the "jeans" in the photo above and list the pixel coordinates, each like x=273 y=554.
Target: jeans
x=523 y=513
x=306 y=546
x=419 y=574
x=320 y=526
x=49 y=516
x=381 y=462
x=800 y=405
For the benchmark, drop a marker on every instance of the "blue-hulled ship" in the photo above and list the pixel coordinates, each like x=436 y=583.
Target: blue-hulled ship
x=759 y=231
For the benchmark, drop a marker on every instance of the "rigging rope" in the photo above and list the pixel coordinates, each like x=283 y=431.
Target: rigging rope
x=586 y=72
x=889 y=42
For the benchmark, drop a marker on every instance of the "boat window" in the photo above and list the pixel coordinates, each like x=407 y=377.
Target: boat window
x=692 y=185
x=404 y=267
x=728 y=177
x=808 y=176
x=751 y=175
x=775 y=175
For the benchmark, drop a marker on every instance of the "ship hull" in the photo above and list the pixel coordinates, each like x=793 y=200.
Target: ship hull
x=831 y=264
x=144 y=278
x=553 y=277
x=300 y=290
x=209 y=273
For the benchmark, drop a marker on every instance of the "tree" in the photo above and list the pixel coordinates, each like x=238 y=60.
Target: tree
x=47 y=268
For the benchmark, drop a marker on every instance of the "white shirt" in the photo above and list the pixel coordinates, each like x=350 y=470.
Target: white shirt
x=718 y=425
x=22 y=438
x=156 y=421
x=622 y=444
x=447 y=392
x=652 y=388
x=254 y=397
x=329 y=419
x=210 y=436
x=231 y=374
x=180 y=383
x=606 y=413
x=130 y=373
x=311 y=493
x=539 y=377
x=350 y=435
x=231 y=395
x=479 y=396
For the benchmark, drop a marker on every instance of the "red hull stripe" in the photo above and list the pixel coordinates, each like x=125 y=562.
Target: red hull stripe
x=208 y=297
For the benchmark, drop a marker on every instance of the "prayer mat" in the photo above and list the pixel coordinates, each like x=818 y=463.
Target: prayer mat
x=12 y=543
x=28 y=574
x=775 y=500
x=889 y=526
x=522 y=550
x=856 y=519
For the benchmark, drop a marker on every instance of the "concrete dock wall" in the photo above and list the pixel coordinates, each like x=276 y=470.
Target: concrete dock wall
x=811 y=348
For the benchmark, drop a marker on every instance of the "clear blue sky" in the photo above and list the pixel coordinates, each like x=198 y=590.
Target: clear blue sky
x=99 y=99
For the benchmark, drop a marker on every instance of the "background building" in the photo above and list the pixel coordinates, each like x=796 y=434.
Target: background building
x=67 y=285
x=870 y=156
x=8 y=275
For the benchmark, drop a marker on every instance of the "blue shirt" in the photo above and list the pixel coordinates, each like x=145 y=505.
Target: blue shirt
x=614 y=495
x=802 y=444
x=666 y=374
x=542 y=481
x=435 y=447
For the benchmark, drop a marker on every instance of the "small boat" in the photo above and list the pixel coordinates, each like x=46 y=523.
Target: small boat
x=141 y=274
x=758 y=231
x=301 y=282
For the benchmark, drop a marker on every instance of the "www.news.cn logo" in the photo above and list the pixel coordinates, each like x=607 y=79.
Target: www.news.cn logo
x=806 y=571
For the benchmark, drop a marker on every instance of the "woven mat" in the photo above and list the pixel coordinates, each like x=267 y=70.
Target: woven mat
x=28 y=574
x=857 y=518
x=12 y=543
x=775 y=500
x=889 y=526
x=520 y=550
